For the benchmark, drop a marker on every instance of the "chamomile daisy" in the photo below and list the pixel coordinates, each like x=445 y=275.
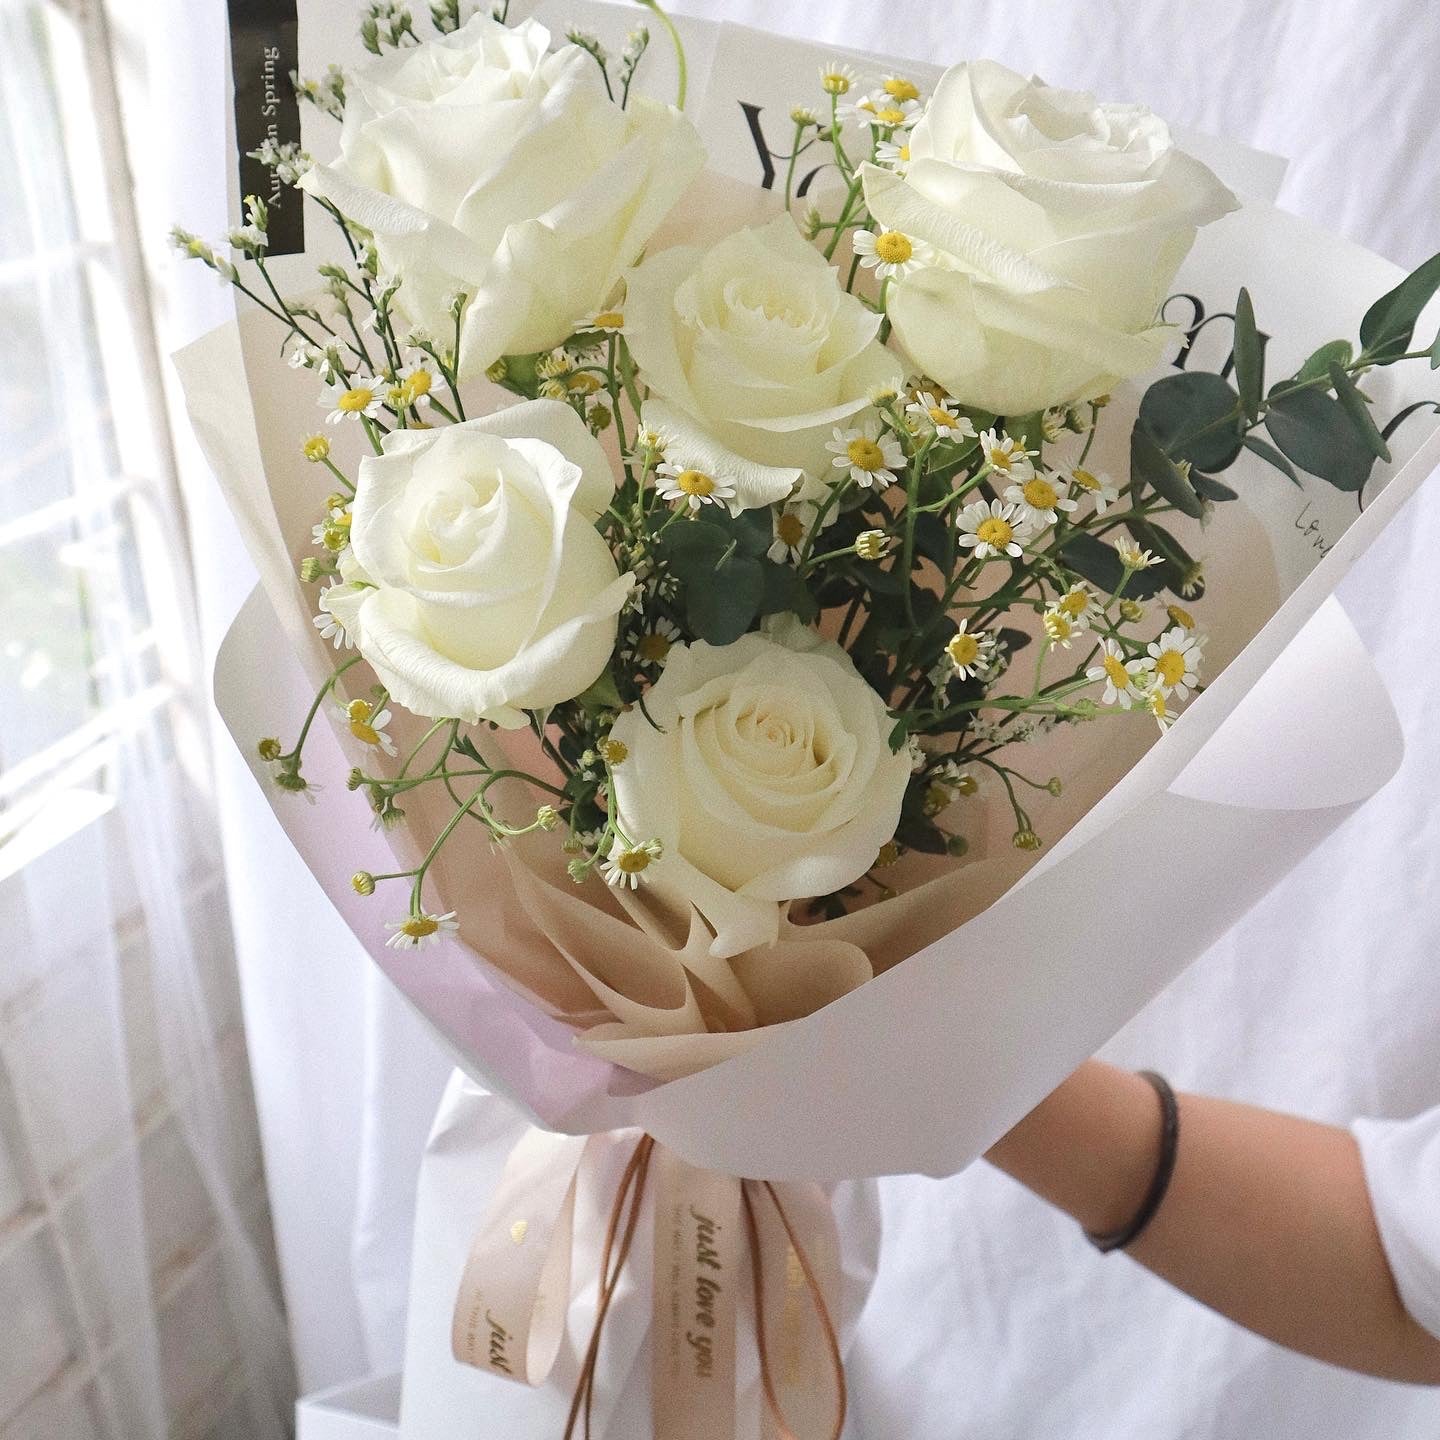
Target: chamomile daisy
x=416 y=931
x=893 y=155
x=1078 y=604
x=871 y=455
x=1157 y=702
x=891 y=254
x=685 y=485
x=1135 y=557
x=991 y=527
x=1060 y=629
x=1007 y=456
x=411 y=386
x=883 y=112
x=900 y=88
x=367 y=725
x=939 y=415
x=652 y=646
x=792 y=524
x=1176 y=656
x=329 y=625
x=1124 y=680
x=355 y=396
x=627 y=863
x=837 y=78
x=606 y=321
x=969 y=653
x=1040 y=500
x=1100 y=488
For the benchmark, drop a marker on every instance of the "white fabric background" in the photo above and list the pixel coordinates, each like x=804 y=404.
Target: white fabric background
x=991 y=1318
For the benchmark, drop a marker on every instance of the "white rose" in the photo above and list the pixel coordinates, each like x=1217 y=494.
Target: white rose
x=481 y=587
x=765 y=771
x=1057 y=225
x=483 y=165
x=755 y=353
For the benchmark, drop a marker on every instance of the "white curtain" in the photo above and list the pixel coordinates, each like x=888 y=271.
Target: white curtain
x=136 y=1278
x=1322 y=1001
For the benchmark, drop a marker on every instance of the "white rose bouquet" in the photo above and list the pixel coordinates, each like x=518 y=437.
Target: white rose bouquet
x=720 y=612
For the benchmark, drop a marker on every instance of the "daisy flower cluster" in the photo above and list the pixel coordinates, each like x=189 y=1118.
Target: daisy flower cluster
x=984 y=576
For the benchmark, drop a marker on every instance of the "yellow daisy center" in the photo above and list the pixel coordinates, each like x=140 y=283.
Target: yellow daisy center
x=940 y=418
x=362 y=730
x=995 y=531
x=609 y=320
x=899 y=88
x=653 y=648
x=963 y=649
x=354 y=401
x=1059 y=626
x=834 y=83
x=417 y=927
x=790 y=529
x=358 y=710
x=694 y=482
x=905 y=153
x=890 y=115
x=613 y=752
x=865 y=454
x=1040 y=494
x=632 y=862
x=1116 y=672
x=1170 y=667
x=1085 y=480
x=1074 y=604
x=893 y=247
x=583 y=383
x=1180 y=616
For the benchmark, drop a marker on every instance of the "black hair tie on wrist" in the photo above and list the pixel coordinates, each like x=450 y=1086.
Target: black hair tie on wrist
x=1169 y=1146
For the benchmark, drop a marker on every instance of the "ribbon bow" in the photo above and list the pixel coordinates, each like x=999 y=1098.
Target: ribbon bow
x=515 y=1292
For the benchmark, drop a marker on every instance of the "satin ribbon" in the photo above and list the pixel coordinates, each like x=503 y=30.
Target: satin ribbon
x=515 y=1291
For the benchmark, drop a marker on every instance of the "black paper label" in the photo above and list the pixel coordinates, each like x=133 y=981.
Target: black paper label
x=264 y=52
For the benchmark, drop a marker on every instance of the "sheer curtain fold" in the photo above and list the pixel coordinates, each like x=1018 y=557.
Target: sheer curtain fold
x=135 y=1273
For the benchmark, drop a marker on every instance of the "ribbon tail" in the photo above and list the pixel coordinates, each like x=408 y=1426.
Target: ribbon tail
x=510 y=1311
x=699 y=1253
x=795 y=1259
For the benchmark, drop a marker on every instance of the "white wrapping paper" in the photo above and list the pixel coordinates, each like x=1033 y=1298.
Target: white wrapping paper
x=921 y=1068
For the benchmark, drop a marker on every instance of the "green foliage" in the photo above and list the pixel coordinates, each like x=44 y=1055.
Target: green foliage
x=1249 y=357
x=1194 y=416
x=1314 y=431
x=1389 y=323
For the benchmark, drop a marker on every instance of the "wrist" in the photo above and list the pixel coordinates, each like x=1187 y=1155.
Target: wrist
x=1090 y=1148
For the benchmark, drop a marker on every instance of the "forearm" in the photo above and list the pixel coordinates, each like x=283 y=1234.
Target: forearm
x=1267 y=1220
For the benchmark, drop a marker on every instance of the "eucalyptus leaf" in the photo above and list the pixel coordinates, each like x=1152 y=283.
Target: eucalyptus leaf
x=1249 y=357
x=1150 y=464
x=1333 y=352
x=917 y=833
x=1358 y=409
x=1207 y=487
x=722 y=605
x=1314 y=431
x=1270 y=454
x=601 y=695
x=1390 y=322
x=1194 y=416
x=786 y=591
